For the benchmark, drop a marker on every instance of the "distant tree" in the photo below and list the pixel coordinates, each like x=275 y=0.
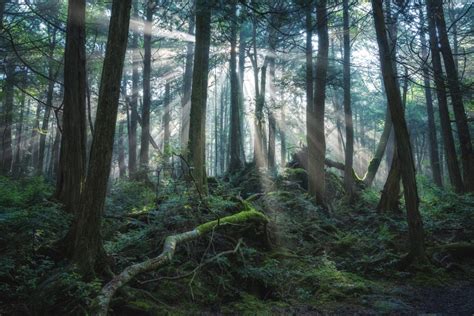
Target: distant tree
x=315 y=122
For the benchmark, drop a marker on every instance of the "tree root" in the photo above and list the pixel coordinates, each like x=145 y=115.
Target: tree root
x=105 y=296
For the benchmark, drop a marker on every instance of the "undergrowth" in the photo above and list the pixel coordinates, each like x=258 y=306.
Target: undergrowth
x=307 y=259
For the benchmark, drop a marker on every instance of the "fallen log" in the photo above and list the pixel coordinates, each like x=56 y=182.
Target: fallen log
x=102 y=301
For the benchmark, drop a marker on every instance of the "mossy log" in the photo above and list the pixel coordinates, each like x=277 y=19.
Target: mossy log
x=105 y=296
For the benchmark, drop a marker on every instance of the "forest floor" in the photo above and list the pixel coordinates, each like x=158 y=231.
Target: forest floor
x=306 y=261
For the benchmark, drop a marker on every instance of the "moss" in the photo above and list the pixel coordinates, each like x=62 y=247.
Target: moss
x=241 y=217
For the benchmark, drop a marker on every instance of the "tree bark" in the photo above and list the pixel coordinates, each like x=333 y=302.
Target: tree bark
x=166 y=125
x=197 y=129
x=449 y=147
x=132 y=131
x=236 y=162
x=121 y=151
x=86 y=249
x=404 y=153
x=349 y=148
x=6 y=136
x=187 y=83
x=72 y=161
x=315 y=129
x=435 y=9
x=433 y=139
x=145 y=137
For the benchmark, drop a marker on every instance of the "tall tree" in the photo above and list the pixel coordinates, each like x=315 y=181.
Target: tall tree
x=349 y=148
x=435 y=9
x=133 y=104
x=432 y=135
x=404 y=152
x=315 y=122
x=454 y=172
x=145 y=138
x=236 y=161
x=187 y=82
x=7 y=117
x=197 y=128
x=49 y=101
x=86 y=249
x=72 y=161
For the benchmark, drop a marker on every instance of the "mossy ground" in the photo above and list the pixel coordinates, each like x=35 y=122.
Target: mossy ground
x=305 y=260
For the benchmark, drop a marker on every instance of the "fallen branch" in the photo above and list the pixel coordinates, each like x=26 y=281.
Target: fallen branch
x=169 y=248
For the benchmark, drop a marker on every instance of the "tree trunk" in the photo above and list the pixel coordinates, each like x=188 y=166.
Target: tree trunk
x=132 y=131
x=187 y=83
x=404 y=153
x=349 y=148
x=197 y=129
x=449 y=147
x=121 y=151
x=374 y=164
x=6 y=136
x=17 y=167
x=166 y=124
x=315 y=133
x=433 y=139
x=72 y=161
x=390 y=197
x=49 y=105
x=435 y=10
x=86 y=248
x=145 y=138
x=235 y=138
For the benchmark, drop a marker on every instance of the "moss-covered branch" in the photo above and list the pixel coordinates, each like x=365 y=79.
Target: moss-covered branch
x=169 y=248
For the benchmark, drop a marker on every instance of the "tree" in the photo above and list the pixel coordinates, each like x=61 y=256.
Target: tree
x=133 y=104
x=404 y=152
x=435 y=10
x=315 y=122
x=197 y=128
x=72 y=161
x=236 y=161
x=145 y=138
x=86 y=249
x=349 y=149
x=433 y=138
x=446 y=129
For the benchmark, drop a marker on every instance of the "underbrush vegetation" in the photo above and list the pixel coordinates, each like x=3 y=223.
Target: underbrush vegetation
x=307 y=259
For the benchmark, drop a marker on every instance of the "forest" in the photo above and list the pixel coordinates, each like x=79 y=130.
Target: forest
x=238 y=157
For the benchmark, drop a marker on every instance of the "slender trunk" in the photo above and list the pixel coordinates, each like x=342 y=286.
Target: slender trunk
x=349 y=146
x=435 y=9
x=86 y=249
x=235 y=138
x=241 y=74
x=316 y=137
x=16 y=168
x=132 y=130
x=433 y=139
x=6 y=136
x=404 y=153
x=166 y=123
x=449 y=147
x=145 y=137
x=187 y=83
x=380 y=151
x=197 y=128
x=121 y=151
x=72 y=162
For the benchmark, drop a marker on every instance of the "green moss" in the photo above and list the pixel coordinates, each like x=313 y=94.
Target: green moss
x=241 y=217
